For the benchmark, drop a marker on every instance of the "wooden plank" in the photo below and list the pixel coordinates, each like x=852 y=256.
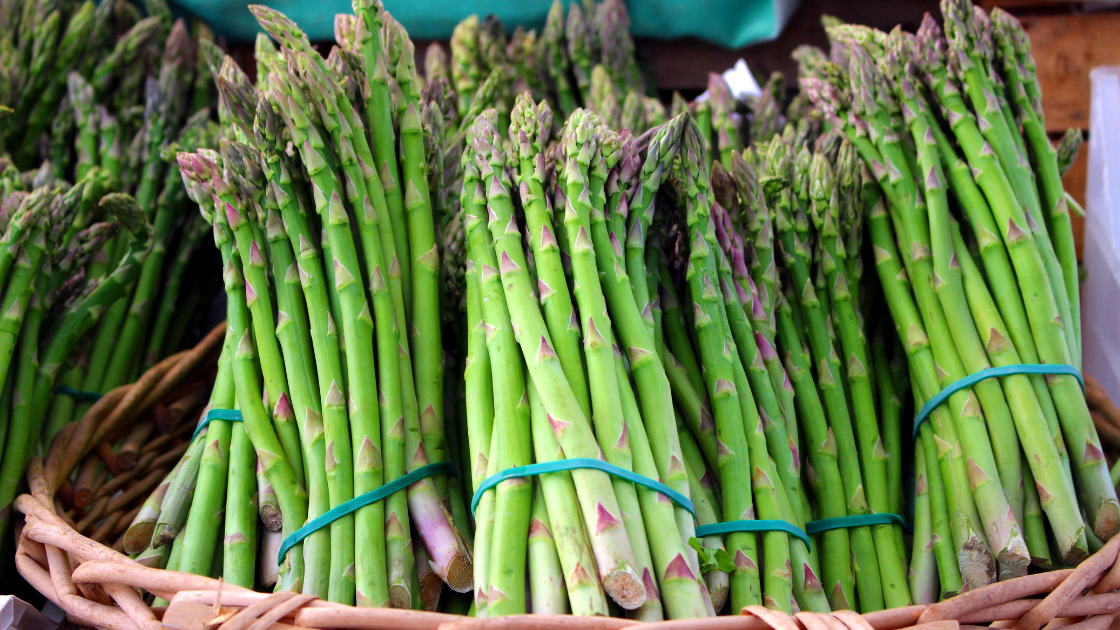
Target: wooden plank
x=1066 y=48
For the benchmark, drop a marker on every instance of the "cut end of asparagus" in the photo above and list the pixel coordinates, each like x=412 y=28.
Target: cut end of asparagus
x=1108 y=520
x=399 y=597
x=1077 y=551
x=137 y=538
x=271 y=517
x=625 y=588
x=430 y=589
x=719 y=595
x=164 y=533
x=1014 y=553
x=460 y=574
x=978 y=567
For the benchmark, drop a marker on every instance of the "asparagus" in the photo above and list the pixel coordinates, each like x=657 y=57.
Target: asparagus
x=510 y=447
x=213 y=470
x=357 y=328
x=555 y=52
x=1040 y=301
x=380 y=121
x=325 y=344
x=240 y=534
x=548 y=591
x=614 y=557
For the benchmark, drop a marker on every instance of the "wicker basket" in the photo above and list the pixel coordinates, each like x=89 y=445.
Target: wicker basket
x=100 y=587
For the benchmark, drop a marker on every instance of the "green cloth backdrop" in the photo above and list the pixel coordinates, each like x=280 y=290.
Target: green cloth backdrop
x=730 y=23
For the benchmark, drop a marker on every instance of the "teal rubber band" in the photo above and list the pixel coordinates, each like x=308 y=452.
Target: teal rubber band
x=859 y=520
x=359 y=502
x=972 y=379
x=577 y=463
x=66 y=390
x=763 y=525
x=230 y=415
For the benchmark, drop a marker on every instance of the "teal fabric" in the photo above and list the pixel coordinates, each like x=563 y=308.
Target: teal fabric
x=730 y=23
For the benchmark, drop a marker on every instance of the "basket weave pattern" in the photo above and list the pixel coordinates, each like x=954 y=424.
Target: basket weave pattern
x=100 y=587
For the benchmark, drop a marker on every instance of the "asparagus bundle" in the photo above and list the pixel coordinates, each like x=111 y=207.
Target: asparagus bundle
x=632 y=545
x=50 y=303
x=985 y=287
x=305 y=327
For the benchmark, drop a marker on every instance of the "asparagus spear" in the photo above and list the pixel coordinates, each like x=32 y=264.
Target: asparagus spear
x=549 y=596
x=510 y=448
x=212 y=474
x=607 y=412
x=239 y=561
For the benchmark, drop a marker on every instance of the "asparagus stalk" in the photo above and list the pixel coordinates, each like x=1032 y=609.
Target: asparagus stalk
x=549 y=596
x=734 y=462
x=854 y=344
x=870 y=585
x=380 y=120
x=1038 y=297
x=212 y=475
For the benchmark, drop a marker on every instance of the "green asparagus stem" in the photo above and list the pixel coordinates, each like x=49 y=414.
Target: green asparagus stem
x=212 y=475
x=549 y=596
x=239 y=561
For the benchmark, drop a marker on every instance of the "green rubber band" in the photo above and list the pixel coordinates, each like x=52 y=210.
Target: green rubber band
x=230 y=415
x=859 y=520
x=359 y=502
x=972 y=379
x=576 y=463
x=762 y=525
x=66 y=390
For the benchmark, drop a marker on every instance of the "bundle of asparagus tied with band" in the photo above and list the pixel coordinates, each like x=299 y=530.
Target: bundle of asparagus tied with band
x=548 y=378
x=1011 y=468
x=331 y=256
x=585 y=58
x=106 y=144
x=782 y=295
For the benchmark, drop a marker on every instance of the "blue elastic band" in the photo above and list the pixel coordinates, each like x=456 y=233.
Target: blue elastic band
x=859 y=520
x=231 y=415
x=576 y=463
x=994 y=372
x=754 y=526
x=359 y=502
x=66 y=390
